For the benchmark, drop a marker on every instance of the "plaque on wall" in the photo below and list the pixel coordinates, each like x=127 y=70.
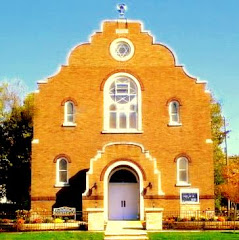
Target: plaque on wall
x=190 y=196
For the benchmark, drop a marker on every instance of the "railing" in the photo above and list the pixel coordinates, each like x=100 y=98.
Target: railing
x=23 y=220
x=206 y=220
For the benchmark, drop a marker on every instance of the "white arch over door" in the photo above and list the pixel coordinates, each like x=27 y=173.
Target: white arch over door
x=106 y=186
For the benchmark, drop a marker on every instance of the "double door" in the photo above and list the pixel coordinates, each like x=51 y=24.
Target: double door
x=123 y=201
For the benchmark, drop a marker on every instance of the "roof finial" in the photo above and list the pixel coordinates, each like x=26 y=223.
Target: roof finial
x=121 y=9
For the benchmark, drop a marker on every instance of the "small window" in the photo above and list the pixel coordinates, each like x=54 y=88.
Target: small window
x=62 y=172
x=182 y=171
x=174 y=118
x=69 y=114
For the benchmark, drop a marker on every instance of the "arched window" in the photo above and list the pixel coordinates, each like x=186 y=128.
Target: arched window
x=122 y=104
x=69 y=113
x=174 y=118
x=182 y=171
x=61 y=172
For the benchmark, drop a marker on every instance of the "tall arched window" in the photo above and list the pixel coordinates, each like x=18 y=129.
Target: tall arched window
x=174 y=117
x=122 y=104
x=69 y=113
x=61 y=172
x=182 y=171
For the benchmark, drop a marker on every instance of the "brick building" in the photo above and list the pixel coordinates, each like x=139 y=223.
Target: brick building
x=123 y=128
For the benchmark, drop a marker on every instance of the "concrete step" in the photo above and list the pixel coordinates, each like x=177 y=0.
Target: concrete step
x=126 y=238
x=125 y=230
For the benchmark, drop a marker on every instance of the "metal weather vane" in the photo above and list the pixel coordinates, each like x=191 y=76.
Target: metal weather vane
x=121 y=8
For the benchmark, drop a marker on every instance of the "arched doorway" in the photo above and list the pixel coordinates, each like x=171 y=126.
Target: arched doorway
x=123 y=194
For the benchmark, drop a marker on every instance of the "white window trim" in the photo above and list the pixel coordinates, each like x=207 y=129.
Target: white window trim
x=69 y=124
x=66 y=123
x=114 y=44
x=171 y=122
x=189 y=190
x=107 y=100
x=58 y=183
x=183 y=183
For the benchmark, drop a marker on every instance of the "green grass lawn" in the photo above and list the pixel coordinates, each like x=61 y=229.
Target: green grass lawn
x=100 y=236
x=51 y=236
x=194 y=235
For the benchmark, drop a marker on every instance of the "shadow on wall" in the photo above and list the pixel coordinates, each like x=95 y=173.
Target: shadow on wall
x=72 y=196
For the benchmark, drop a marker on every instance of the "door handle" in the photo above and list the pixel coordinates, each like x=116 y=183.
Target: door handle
x=123 y=203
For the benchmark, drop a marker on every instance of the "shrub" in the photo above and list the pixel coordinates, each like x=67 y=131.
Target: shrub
x=193 y=218
x=38 y=220
x=5 y=220
x=48 y=220
x=221 y=219
x=58 y=220
x=20 y=221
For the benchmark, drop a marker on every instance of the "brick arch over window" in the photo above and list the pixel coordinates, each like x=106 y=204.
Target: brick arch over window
x=183 y=155
x=69 y=99
x=120 y=71
x=174 y=99
x=117 y=160
x=62 y=155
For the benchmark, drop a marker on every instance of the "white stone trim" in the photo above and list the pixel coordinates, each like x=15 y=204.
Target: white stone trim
x=209 y=140
x=58 y=185
x=172 y=124
x=35 y=141
x=68 y=124
x=106 y=186
x=154 y=42
x=44 y=81
x=114 y=44
x=201 y=81
x=183 y=184
x=122 y=31
x=147 y=155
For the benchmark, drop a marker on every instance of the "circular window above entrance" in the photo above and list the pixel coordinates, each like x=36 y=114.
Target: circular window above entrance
x=122 y=49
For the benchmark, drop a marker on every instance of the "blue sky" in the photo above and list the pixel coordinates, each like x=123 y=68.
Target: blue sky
x=36 y=36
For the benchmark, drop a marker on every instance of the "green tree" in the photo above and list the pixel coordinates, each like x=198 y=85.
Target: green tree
x=218 y=136
x=15 y=137
x=230 y=187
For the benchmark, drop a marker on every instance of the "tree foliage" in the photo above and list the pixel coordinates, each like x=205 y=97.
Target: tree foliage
x=218 y=136
x=16 y=131
x=230 y=187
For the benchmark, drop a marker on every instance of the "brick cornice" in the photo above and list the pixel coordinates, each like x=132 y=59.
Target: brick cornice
x=43 y=198
x=175 y=197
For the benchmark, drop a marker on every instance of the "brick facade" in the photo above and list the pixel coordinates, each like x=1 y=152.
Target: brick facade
x=90 y=151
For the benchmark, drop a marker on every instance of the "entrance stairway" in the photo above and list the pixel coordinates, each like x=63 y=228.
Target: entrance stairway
x=125 y=230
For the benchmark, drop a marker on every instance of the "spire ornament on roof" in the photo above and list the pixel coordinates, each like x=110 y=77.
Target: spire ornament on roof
x=121 y=8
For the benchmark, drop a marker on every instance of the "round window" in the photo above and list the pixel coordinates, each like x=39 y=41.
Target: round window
x=121 y=49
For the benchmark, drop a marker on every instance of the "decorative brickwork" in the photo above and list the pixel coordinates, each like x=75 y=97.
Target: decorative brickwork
x=93 y=153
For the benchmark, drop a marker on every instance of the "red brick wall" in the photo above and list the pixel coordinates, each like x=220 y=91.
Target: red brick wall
x=83 y=80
